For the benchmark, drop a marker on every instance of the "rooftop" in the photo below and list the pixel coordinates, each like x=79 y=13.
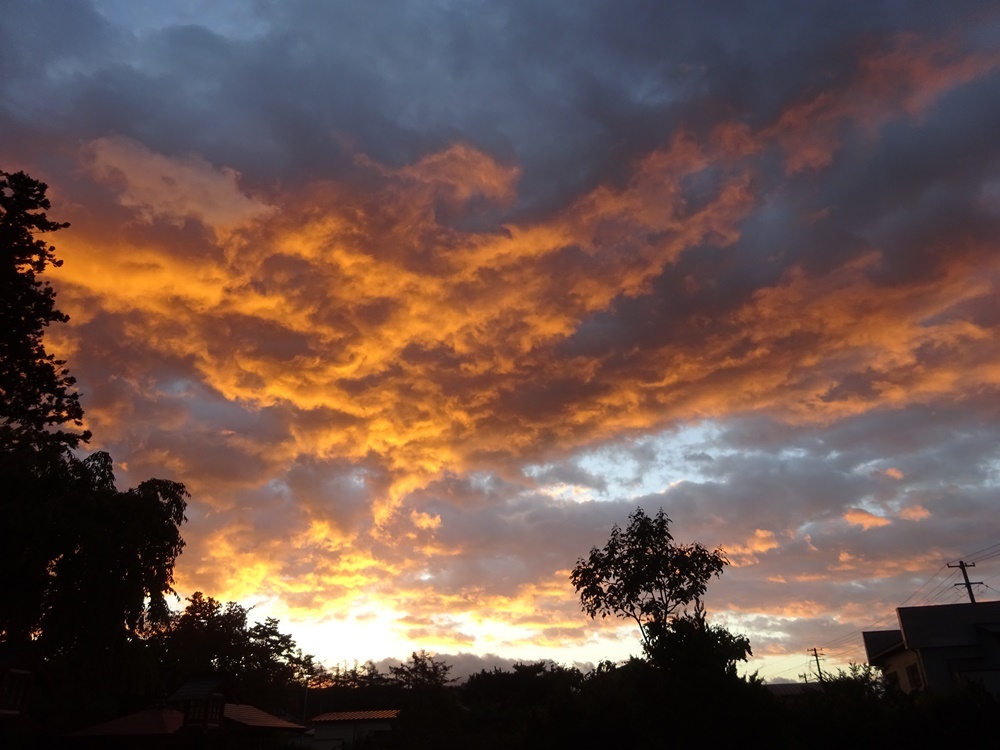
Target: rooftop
x=357 y=715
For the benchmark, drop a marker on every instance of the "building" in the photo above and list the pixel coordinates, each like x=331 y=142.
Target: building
x=198 y=714
x=341 y=729
x=940 y=648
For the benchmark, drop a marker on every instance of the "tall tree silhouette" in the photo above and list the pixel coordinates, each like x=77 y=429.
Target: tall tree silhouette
x=84 y=567
x=266 y=665
x=641 y=574
x=37 y=396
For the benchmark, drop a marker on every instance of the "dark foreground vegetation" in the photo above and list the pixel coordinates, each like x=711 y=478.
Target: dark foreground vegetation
x=86 y=634
x=639 y=705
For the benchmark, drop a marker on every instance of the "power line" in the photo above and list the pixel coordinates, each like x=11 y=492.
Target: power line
x=922 y=585
x=988 y=557
x=984 y=549
x=943 y=589
x=940 y=590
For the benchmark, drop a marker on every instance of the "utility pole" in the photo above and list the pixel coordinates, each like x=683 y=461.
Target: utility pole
x=968 y=585
x=816 y=654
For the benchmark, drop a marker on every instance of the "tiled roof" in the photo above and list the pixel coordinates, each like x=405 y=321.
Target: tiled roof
x=148 y=721
x=252 y=716
x=357 y=715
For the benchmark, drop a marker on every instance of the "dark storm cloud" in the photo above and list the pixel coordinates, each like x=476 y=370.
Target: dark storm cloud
x=571 y=92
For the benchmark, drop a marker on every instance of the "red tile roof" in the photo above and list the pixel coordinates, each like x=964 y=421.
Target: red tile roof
x=149 y=721
x=252 y=716
x=357 y=715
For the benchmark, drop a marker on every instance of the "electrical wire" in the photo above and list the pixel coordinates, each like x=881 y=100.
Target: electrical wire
x=973 y=557
x=940 y=590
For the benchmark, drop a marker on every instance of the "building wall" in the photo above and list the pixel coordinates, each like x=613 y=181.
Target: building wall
x=332 y=735
x=903 y=670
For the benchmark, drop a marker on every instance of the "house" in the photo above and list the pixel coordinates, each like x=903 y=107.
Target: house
x=202 y=702
x=165 y=727
x=341 y=729
x=197 y=713
x=154 y=727
x=252 y=723
x=16 y=668
x=24 y=681
x=939 y=648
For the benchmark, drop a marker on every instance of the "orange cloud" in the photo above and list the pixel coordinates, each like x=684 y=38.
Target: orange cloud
x=411 y=337
x=906 y=79
x=748 y=553
x=864 y=519
x=425 y=520
x=159 y=187
x=914 y=513
x=376 y=328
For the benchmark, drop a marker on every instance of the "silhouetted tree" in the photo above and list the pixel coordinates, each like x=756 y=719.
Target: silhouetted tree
x=82 y=565
x=36 y=390
x=642 y=575
x=430 y=716
x=422 y=671
x=111 y=581
x=530 y=706
x=688 y=648
x=266 y=665
x=208 y=636
x=861 y=680
x=358 y=676
x=84 y=568
x=352 y=688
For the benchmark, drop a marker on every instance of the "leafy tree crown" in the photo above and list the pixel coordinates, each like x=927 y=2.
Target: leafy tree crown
x=643 y=575
x=422 y=671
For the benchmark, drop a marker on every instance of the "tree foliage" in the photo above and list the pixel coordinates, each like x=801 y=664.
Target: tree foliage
x=117 y=567
x=357 y=676
x=690 y=649
x=84 y=567
x=87 y=565
x=421 y=671
x=267 y=665
x=859 y=682
x=641 y=574
x=37 y=395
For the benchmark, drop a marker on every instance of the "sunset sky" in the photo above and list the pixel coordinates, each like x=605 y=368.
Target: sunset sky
x=419 y=298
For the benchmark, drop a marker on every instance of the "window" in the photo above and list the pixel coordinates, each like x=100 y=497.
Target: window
x=892 y=680
x=196 y=711
x=913 y=677
x=215 y=709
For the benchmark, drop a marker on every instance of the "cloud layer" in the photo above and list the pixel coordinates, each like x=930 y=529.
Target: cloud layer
x=419 y=301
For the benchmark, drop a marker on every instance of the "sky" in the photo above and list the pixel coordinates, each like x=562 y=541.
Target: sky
x=418 y=299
